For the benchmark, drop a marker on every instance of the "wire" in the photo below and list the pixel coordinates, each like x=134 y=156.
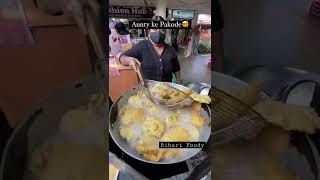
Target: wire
x=203 y=2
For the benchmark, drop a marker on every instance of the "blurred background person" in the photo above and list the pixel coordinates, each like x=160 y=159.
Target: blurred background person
x=195 y=41
x=121 y=29
x=114 y=43
x=124 y=36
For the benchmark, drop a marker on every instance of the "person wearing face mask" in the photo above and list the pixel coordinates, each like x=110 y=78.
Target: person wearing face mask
x=158 y=60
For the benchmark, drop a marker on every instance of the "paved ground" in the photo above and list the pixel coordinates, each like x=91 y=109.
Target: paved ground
x=195 y=69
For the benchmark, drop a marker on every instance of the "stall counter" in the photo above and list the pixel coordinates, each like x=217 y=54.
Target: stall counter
x=119 y=84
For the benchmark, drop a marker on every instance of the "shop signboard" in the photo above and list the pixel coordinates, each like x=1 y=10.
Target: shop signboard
x=131 y=12
x=183 y=14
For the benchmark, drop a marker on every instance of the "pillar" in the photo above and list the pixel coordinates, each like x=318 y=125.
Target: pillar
x=161 y=8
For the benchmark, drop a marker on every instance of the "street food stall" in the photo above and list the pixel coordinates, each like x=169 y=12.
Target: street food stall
x=122 y=78
x=260 y=123
x=123 y=88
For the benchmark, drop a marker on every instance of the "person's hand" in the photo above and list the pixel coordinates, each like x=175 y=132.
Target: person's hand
x=134 y=63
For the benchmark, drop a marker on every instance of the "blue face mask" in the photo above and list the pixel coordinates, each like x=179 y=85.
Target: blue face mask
x=157 y=37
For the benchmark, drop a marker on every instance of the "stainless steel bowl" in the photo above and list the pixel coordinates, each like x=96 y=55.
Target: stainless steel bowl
x=123 y=144
x=197 y=87
x=186 y=102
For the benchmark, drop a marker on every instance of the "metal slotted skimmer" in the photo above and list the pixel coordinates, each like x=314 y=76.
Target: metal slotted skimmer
x=225 y=108
x=150 y=84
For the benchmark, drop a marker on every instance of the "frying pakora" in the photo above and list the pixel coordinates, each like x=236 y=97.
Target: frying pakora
x=153 y=126
x=196 y=119
x=172 y=119
x=176 y=134
x=196 y=106
x=201 y=98
x=147 y=147
x=151 y=106
x=148 y=140
x=151 y=153
x=131 y=115
x=168 y=95
x=127 y=133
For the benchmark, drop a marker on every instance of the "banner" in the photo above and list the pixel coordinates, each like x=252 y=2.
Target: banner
x=130 y=12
